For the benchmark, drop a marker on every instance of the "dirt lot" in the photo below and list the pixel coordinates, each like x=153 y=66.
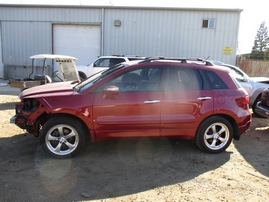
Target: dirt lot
x=133 y=170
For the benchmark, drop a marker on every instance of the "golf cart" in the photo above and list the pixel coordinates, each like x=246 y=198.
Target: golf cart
x=63 y=68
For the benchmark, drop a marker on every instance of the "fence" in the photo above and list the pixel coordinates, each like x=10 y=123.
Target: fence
x=255 y=67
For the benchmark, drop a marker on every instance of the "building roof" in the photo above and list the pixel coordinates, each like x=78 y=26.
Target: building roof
x=125 y=7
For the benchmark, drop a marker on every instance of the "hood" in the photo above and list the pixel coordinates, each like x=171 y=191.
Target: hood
x=48 y=89
x=260 y=79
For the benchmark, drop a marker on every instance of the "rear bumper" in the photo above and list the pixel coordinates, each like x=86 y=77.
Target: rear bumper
x=245 y=127
x=261 y=110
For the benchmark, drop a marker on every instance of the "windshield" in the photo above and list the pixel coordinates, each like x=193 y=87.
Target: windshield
x=96 y=77
x=69 y=69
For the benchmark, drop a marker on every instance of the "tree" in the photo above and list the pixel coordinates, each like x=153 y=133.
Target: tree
x=261 y=43
x=266 y=54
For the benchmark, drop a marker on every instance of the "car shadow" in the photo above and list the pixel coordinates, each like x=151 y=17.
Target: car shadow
x=104 y=169
x=128 y=166
x=254 y=145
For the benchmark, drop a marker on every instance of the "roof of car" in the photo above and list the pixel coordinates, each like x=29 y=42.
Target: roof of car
x=52 y=56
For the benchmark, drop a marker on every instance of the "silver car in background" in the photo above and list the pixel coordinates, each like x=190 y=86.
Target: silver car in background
x=253 y=85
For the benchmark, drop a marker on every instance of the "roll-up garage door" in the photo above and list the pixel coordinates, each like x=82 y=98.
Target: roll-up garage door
x=80 y=41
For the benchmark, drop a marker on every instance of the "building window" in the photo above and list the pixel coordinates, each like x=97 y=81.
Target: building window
x=210 y=23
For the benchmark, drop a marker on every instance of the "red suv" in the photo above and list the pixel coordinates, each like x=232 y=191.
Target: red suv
x=147 y=98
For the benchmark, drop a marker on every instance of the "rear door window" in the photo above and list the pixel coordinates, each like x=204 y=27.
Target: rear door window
x=114 y=61
x=183 y=79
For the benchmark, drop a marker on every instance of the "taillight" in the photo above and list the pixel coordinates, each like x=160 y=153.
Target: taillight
x=243 y=102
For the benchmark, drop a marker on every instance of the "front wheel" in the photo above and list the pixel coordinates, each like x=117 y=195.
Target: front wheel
x=214 y=135
x=62 y=137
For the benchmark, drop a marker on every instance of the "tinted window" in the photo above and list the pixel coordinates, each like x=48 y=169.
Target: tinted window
x=138 y=80
x=102 y=62
x=214 y=81
x=184 y=79
x=115 y=61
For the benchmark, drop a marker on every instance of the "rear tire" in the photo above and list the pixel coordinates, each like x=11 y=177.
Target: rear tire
x=214 y=135
x=62 y=137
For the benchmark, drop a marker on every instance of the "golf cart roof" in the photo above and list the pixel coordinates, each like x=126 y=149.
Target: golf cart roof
x=51 y=56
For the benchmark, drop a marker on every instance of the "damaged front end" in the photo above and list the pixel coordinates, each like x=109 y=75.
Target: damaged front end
x=30 y=115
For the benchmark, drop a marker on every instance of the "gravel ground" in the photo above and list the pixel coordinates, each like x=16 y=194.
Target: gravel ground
x=133 y=170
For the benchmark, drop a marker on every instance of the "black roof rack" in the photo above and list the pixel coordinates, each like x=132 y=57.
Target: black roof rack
x=183 y=60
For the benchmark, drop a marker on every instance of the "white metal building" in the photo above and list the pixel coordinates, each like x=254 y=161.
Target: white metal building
x=87 y=32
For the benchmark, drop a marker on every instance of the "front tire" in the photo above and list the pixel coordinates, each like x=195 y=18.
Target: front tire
x=214 y=135
x=62 y=137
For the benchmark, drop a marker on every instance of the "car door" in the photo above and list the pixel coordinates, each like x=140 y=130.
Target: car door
x=135 y=110
x=185 y=104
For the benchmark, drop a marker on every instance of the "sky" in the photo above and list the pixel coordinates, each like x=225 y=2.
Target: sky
x=253 y=14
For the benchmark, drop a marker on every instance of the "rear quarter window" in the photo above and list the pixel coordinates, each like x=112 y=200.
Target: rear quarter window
x=213 y=81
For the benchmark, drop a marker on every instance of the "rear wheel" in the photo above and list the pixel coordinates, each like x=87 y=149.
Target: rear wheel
x=62 y=137
x=214 y=135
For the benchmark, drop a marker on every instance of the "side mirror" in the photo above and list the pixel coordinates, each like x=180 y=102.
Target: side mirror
x=110 y=92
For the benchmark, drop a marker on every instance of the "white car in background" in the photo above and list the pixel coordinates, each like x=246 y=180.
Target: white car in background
x=102 y=63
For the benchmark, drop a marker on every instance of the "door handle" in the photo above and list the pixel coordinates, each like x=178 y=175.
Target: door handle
x=204 y=98
x=151 y=101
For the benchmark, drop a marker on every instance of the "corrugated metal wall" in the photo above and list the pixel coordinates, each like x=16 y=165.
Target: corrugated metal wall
x=171 y=33
x=23 y=39
x=27 y=30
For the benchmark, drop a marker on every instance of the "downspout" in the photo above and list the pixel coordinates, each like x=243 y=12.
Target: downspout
x=1 y=62
x=237 y=37
x=102 y=31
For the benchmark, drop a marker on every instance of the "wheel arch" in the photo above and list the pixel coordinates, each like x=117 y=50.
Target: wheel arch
x=208 y=138
x=236 y=134
x=85 y=127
